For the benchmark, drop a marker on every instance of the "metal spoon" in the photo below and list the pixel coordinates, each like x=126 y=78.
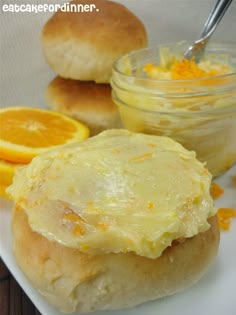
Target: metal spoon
x=198 y=47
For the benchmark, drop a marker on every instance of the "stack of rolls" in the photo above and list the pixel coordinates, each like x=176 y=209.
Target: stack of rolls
x=81 y=48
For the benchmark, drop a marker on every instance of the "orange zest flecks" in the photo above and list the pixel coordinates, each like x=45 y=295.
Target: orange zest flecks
x=179 y=70
x=141 y=157
x=72 y=217
x=154 y=71
x=75 y=219
x=216 y=191
x=224 y=216
x=152 y=145
x=78 y=230
x=150 y=205
x=188 y=69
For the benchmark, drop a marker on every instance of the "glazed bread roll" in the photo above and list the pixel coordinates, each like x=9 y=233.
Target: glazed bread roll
x=72 y=280
x=113 y=221
x=83 y=46
x=86 y=101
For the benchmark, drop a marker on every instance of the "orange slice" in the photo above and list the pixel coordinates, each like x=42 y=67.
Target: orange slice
x=3 y=192
x=26 y=132
x=7 y=170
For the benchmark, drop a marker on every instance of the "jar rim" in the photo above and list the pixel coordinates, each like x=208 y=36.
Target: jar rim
x=131 y=54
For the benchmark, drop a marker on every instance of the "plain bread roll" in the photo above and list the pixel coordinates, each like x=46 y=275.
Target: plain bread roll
x=83 y=46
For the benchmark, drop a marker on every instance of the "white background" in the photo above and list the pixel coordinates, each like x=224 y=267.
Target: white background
x=24 y=74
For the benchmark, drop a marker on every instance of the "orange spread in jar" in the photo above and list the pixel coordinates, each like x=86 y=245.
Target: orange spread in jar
x=184 y=69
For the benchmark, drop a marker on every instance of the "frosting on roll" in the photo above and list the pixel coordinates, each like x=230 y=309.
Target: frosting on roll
x=116 y=192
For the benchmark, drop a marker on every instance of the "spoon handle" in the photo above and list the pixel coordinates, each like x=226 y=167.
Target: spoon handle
x=197 y=49
x=215 y=17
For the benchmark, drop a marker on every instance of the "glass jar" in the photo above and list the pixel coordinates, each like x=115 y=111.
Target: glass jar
x=198 y=113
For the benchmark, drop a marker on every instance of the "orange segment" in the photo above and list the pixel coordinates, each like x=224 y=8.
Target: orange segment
x=7 y=170
x=27 y=132
x=3 y=192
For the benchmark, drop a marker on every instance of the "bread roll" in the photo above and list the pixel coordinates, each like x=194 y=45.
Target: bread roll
x=86 y=101
x=83 y=46
x=113 y=221
x=75 y=281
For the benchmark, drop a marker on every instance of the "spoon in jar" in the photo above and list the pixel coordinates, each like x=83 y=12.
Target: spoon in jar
x=198 y=47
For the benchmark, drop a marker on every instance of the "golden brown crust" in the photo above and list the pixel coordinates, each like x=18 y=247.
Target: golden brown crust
x=72 y=280
x=86 y=101
x=83 y=45
x=113 y=29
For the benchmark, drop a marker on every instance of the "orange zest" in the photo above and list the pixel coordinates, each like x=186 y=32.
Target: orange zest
x=188 y=69
x=141 y=157
x=179 y=70
x=216 y=191
x=224 y=216
x=26 y=132
x=73 y=217
x=78 y=230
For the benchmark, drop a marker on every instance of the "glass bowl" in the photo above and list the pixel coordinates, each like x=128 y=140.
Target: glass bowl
x=198 y=113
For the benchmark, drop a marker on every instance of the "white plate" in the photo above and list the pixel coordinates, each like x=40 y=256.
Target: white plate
x=213 y=294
